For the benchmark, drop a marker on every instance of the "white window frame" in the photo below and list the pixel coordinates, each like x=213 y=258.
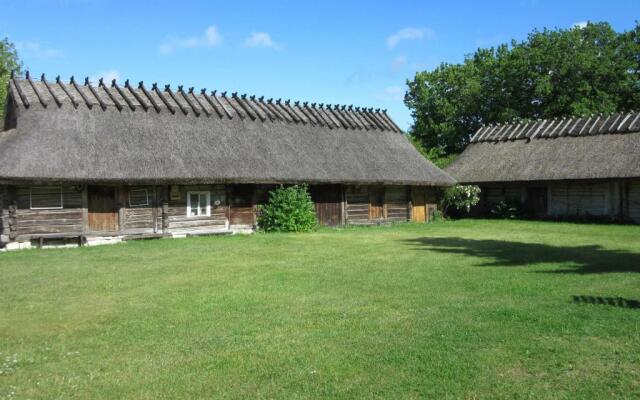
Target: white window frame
x=146 y=192
x=31 y=207
x=208 y=209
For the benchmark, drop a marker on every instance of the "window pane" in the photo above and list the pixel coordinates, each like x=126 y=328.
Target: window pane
x=195 y=199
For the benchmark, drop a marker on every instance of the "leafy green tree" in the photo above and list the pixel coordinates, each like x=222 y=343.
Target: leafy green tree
x=553 y=73
x=8 y=62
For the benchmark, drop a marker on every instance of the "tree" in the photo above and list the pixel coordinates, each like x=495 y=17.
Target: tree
x=9 y=62
x=553 y=73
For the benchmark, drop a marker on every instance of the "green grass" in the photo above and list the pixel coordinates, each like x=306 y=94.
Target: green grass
x=466 y=309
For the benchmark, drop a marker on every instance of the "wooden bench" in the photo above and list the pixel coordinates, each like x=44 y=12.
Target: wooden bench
x=82 y=240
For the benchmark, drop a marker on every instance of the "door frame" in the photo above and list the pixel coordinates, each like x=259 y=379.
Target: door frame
x=86 y=200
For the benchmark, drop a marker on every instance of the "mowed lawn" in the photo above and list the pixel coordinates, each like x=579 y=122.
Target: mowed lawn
x=466 y=309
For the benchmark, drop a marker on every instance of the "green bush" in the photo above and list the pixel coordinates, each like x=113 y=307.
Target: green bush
x=507 y=209
x=460 y=198
x=290 y=209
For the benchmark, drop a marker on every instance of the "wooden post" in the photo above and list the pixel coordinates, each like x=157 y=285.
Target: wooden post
x=165 y=217
x=343 y=205
x=409 y=202
x=13 y=221
x=85 y=208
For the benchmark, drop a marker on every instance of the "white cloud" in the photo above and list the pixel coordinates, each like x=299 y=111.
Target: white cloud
x=262 y=39
x=107 y=76
x=210 y=38
x=395 y=93
x=409 y=34
x=581 y=24
x=35 y=50
x=398 y=63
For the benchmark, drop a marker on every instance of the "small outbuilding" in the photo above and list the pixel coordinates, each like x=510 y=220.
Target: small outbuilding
x=558 y=168
x=94 y=161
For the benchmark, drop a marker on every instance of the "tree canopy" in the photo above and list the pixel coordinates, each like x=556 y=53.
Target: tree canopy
x=8 y=62
x=553 y=73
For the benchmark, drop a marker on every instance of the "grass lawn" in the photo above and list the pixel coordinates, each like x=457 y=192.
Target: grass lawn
x=465 y=309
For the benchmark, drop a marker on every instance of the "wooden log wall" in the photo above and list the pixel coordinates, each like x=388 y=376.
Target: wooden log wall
x=139 y=206
x=580 y=198
x=242 y=202
x=4 y=215
x=177 y=218
x=48 y=219
x=396 y=203
x=357 y=204
x=363 y=204
x=633 y=201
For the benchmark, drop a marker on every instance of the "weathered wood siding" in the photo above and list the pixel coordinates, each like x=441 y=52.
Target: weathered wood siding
x=178 y=220
x=633 y=196
x=138 y=217
x=68 y=219
x=242 y=202
x=4 y=215
x=573 y=199
x=369 y=204
x=328 y=204
x=396 y=202
x=495 y=194
x=357 y=204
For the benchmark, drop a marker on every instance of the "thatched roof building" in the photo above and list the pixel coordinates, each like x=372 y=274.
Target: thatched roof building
x=597 y=147
x=82 y=160
x=587 y=165
x=81 y=132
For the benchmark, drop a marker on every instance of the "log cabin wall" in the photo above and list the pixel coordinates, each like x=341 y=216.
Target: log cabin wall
x=632 y=197
x=328 y=203
x=215 y=218
x=4 y=215
x=371 y=204
x=48 y=209
x=139 y=210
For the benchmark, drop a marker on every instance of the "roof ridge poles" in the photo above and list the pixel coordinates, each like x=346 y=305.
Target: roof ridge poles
x=260 y=103
x=103 y=105
x=154 y=88
x=135 y=94
x=55 y=97
x=148 y=96
x=284 y=109
x=21 y=94
x=35 y=90
x=269 y=104
x=121 y=93
x=66 y=91
x=204 y=109
x=312 y=119
x=219 y=103
x=189 y=102
x=390 y=121
x=167 y=88
x=346 y=123
x=84 y=97
x=253 y=103
x=237 y=108
x=111 y=96
x=320 y=116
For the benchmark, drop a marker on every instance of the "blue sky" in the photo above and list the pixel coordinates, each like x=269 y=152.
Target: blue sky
x=343 y=52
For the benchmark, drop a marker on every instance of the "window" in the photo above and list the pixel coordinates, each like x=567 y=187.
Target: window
x=138 y=198
x=45 y=197
x=198 y=204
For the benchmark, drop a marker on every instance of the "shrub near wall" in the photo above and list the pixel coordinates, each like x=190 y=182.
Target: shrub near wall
x=290 y=209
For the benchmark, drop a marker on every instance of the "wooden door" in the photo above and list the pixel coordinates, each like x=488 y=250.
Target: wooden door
x=376 y=203
x=242 y=205
x=327 y=200
x=102 y=213
x=536 y=204
x=419 y=205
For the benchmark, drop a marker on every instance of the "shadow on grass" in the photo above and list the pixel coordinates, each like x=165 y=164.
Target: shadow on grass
x=609 y=301
x=590 y=259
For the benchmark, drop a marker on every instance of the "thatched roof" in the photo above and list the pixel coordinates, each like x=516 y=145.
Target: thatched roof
x=85 y=132
x=597 y=147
